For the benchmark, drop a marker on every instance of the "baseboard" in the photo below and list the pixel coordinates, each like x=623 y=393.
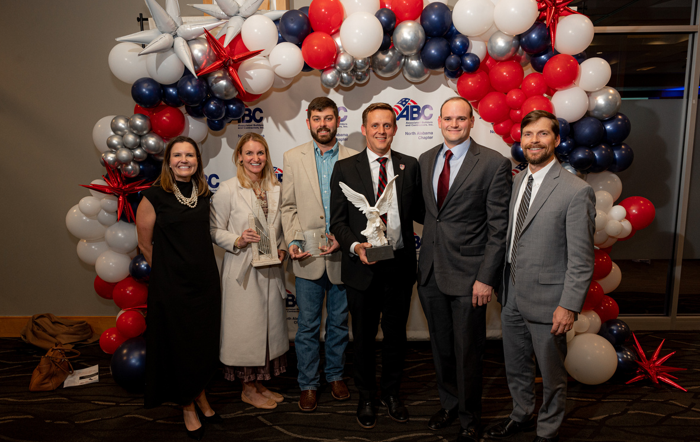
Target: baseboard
x=11 y=326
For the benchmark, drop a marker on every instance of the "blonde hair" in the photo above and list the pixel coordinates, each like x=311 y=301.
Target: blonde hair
x=166 y=180
x=268 y=178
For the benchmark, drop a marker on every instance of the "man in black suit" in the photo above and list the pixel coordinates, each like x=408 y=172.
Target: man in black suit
x=385 y=287
x=466 y=189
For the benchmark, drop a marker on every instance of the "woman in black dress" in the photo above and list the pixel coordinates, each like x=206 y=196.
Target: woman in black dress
x=184 y=294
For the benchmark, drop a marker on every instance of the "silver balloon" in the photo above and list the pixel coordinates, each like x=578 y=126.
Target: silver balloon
x=221 y=85
x=102 y=161
x=139 y=154
x=114 y=142
x=362 y=64
x=119 y=125
x=152 y=143
x=409 y=37
x=338 y=43
x=524 y=57
x=347 y=79
x=502 y=47
x=124 y=155
x=414 y=70
x=344 y=62
x=130 y=140
x=139 y=124
x=202 y=54
x=604 y=104
x=387 y=63
x=130 y=170
x=110 y=159
x=361 y=77
x=330 y=78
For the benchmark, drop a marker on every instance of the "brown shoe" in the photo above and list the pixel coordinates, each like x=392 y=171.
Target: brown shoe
x=307 y=401
x=339 y=390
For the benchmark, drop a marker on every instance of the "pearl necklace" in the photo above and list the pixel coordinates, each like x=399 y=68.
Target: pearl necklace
x=190 y=202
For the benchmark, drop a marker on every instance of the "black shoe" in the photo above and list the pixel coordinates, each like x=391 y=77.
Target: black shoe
x=469 y=434
x=508 y=427
x=214 y=419
x=395 y=408
x=442 y=419
x=198 y=433
x=366 y=416
x=546 y=439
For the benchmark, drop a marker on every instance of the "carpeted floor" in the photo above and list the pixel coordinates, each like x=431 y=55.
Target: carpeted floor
x=105 y=412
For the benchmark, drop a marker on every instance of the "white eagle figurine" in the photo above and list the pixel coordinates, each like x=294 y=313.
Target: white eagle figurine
x=374 y=232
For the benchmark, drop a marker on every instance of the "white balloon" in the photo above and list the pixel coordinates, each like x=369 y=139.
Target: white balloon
x=281 y=83
x=570 y=335
x=608 y=243
x=121 y=237
x=256 y=75
x=125 y=63
x=570 y=104
x=594 y=74
x=286 y=60
x=88 y=251
x=590 y=359
x=90 y=206
x=361 y=34
x=594 y=321
x=110 y=203
x=133 y=253
x=486 y=35
x=574 y=34
x=259 y=32
x=96 y=194
x=514 y=17
x=452 y=83
x=473 y=17
x=599 y=237
x=606 y=181
x=107 y=218
x=581 y=324
x=626 y=229
x=617 y=213
x=613 y=228
x=101 y=132
x=353 y=6
x=165 y=67
x=477 y=48
x=601 y=219
x=112 y=266
x=83 y=227
x=612 y=281
x=603 y=201
x=196 y=128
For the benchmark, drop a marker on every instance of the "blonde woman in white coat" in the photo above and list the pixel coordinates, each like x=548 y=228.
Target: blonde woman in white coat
x=254 y=338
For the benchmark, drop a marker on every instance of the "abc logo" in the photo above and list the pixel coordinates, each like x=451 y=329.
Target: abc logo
x=278 y=173
x=253 y=115
x=413 y=112
x=291 y=300
x=212 y=180
x=342 y=111
x=418 y=240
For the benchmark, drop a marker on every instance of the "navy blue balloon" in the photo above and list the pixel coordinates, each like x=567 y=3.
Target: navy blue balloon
x=562 y=158
x=435 y=51
x=307 y=68
x=581 y=158
x=459 y=44
x=234 y=108
x=216 y=125
x=139 y=269
x=214 y=108
x=149 y=169
x=539 y=60
x=616 y=331
x=128 y=365
x=588 y=131
x=170 y=95
x=566 y=146
x=280 y=39
x=604 y=157
x=452 y=32
x=192 y=90
x=304 y=10
x=195 y=111
x=453 y=74
x=436 y=19
x=516 y=151
x=564 y=128
x=617 y=128
x=453 y=62
x=626 y=360
x=387 y=18
x=623 y=158
x=295 y=26
x=536 y=39
x=146 y=92
x=386 y=42
x=470 y=63
x=580 y=57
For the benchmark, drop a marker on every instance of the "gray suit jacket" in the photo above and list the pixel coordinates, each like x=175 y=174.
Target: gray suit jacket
x=465 y=239
x=555 y=251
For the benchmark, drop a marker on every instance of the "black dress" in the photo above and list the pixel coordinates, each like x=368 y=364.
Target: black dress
x=184 y=300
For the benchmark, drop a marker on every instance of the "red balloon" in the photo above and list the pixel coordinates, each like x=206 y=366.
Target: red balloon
x=607 y=309
x=640 y=211
x=406 y=9
x=503 y=128
x=475 y=105
x=607 y=250
x=534 y=84
x=104 y=288
x=130 y=293
x=247 y=96
x=319 y=50
x=385 y=4
x=326 y=16
x=594 y=296
x=602 y=265
x=131 y=324
x=516 y=115
x=148 y=112
x=489 y=63
x=515 y=98
x=508 y=140
x=537 y=102
x=515 y=132
x=493 y=107
x=560 y=71
x=506 y=75
x=168 y=122
x=111 y=339
x=474 y=86
x=550 y=91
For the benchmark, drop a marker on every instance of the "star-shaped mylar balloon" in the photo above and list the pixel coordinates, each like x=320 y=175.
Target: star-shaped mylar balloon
x=226 y=61
x=653 y=368
x=117 y=187
x=550 y=13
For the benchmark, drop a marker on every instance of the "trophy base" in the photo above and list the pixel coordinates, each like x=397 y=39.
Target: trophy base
x=266 y=261
x=379 y=253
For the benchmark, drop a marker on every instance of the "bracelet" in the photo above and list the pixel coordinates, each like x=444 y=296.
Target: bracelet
x=235 y=243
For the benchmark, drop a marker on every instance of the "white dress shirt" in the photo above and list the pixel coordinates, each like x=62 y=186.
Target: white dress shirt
x=459 y=152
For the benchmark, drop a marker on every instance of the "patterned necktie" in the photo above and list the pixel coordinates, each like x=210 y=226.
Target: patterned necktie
x=444 y=180
x=381 y=185
x=522 y=214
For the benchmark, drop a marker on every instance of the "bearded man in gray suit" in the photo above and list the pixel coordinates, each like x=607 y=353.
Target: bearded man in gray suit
x=549 y=266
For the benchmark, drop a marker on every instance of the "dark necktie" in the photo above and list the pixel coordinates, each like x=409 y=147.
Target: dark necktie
x=381 y=185
x=522 y=214
x=444 y=180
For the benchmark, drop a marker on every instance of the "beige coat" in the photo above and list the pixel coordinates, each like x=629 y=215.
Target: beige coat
x=253 y=300
x=301 y=212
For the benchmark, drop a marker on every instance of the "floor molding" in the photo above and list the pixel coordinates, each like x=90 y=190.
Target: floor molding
x=11 y=326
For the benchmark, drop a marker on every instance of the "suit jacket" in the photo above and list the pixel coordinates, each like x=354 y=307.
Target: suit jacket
x=301 y=212
x=347 y=221
x=465 y=239
x=555 y=250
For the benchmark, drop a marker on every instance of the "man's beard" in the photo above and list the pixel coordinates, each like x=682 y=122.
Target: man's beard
x=330 y=136
x=539 y=160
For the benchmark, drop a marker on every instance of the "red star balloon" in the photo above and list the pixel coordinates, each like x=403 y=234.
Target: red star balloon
x=116 y=186
x=653 y=368
x=224 y=60
x=550 y=13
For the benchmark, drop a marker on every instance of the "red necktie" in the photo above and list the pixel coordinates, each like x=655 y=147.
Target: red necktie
x=381 y=183
x=444 y=180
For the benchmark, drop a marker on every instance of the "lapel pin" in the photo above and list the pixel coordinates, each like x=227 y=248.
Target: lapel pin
x=402 y=167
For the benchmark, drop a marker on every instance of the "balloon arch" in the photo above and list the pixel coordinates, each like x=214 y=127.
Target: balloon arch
x=507 y=57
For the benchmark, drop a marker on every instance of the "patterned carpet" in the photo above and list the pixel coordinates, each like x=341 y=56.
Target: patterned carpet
x=104 y=412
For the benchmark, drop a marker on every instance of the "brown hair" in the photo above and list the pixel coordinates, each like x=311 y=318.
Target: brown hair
x=377 y=106
x=166 y=180
x=320 y=103
x=536 y=115
x=268 y=177
x=471 y=108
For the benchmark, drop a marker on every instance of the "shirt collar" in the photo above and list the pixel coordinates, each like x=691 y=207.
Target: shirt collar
x=373 y=156
x=538 y=176
x=458 y=151
x=333 y=151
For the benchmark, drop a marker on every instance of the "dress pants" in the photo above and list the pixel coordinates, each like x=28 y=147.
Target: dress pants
x=457 y=337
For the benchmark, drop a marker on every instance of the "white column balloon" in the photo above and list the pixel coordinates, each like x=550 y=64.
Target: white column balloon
x=594 y=74
x=259 y=32
x=590 y=359
x=606 y=181
x=90 y=206
x=574 y=34
x=165 y=67
x=612 y=281
x=473 y=17
x=125 y=63
x=89 y=251
x=594 y=322
x=112 y=266
x=286 y=60
x=256 y=75
x=80 y=225
x=361 y=34
x=570 y=104
x=101 y=131
x=121 y=237
x=514 y=17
